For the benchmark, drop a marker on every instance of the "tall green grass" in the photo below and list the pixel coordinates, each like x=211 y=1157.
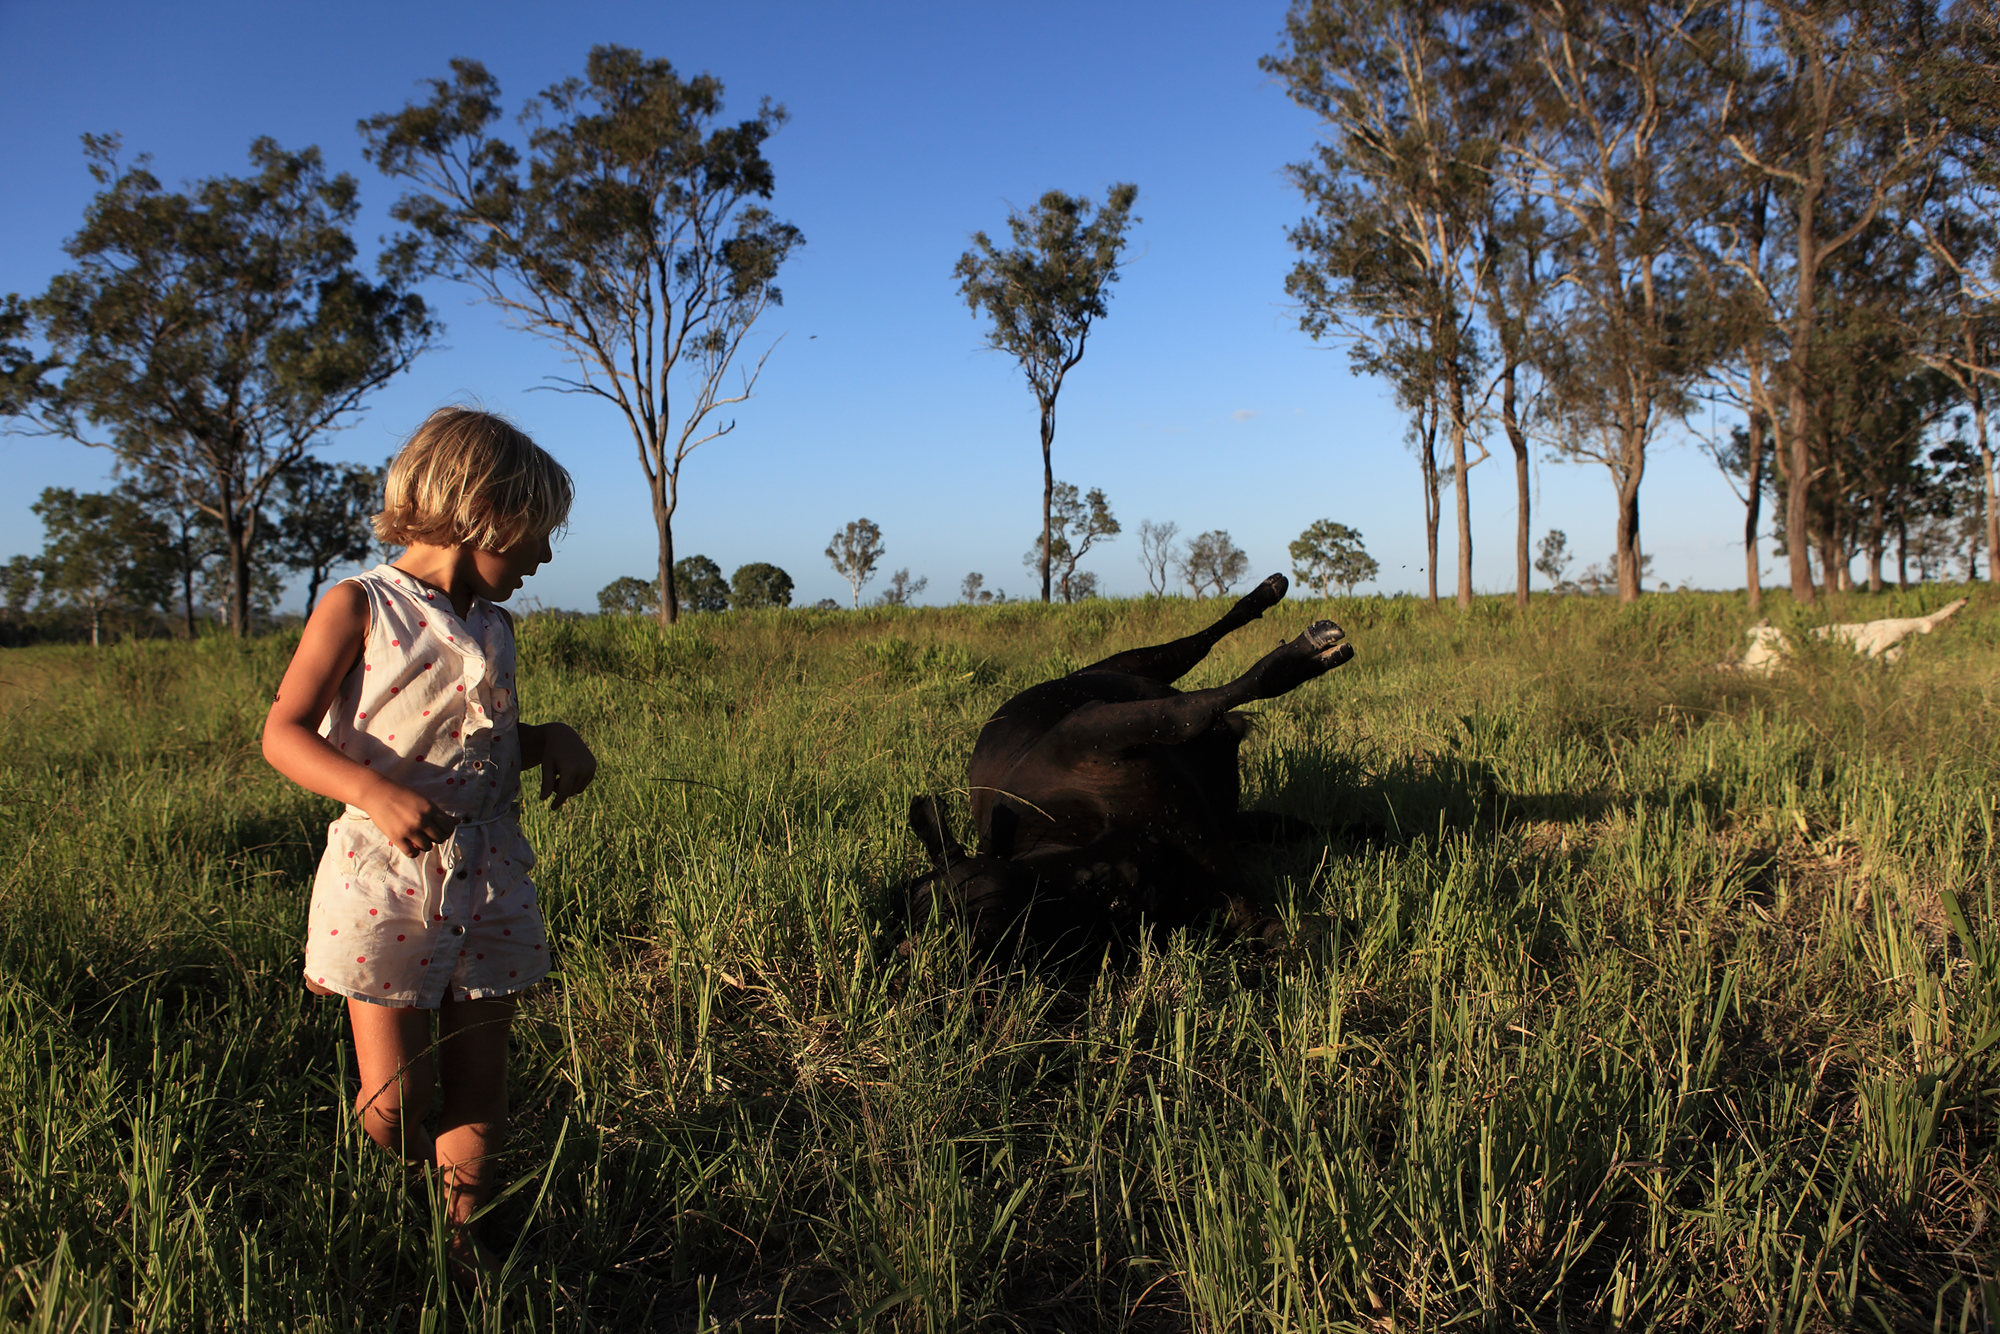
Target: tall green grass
x=1666 y=998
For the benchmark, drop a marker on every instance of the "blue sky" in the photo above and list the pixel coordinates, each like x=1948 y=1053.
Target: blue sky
x=913 y=125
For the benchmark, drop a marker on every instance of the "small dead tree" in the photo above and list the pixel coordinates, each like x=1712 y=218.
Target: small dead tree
x=1159 y=553
x=902 y=589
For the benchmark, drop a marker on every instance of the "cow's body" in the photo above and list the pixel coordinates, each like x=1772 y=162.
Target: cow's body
x=1107 y=797
x=1873 y=639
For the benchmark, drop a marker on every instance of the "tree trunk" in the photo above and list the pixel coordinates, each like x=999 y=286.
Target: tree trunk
x=1800 y=419
x=1991 y=494
x=1048 y=487
x=239 y=586
x=1902 y=554
x=1753 y=510
x=1833 y=570
x=1459 y=468
x=1433 y=498
x=1798 y=539
x=1877 y=538
x=666 y=494
x=236 y=550
x=1518 y=440
x=1433 y=520
x=1630 y=577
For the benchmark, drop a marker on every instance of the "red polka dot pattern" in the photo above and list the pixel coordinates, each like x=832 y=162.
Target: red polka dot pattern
x=441 y=712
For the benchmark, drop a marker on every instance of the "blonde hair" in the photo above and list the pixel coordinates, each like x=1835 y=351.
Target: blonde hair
x=472 y=478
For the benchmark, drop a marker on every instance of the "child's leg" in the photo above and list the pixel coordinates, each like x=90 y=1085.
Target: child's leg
x=392 y=1054
x=472 y=1058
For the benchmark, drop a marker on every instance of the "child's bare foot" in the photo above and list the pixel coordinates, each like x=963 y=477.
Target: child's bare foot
x=471 y=1261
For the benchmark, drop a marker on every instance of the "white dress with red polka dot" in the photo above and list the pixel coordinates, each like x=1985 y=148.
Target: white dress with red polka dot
x=431 y=706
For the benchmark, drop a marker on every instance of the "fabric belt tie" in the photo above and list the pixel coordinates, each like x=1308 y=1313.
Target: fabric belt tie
x=451 y=851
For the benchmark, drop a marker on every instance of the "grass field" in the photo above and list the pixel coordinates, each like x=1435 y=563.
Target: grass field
x=1671 y=1003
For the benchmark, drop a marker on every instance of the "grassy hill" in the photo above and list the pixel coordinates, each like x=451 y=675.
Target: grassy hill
x=1667 y=998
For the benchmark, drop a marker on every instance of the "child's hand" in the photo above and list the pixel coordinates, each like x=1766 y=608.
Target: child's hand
x=408 y=819
x=567 y=764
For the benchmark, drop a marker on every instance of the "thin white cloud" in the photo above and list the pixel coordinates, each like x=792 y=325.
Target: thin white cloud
x=1244 y=414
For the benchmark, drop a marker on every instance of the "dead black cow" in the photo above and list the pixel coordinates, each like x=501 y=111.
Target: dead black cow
x=1106 y=798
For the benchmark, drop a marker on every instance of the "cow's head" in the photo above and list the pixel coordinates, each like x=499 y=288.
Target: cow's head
x=1059 y=897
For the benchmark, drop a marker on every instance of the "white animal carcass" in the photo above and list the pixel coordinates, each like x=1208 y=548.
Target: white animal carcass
x=1874 y=639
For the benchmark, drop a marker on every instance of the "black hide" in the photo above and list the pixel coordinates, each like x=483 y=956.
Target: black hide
x=1106 y=798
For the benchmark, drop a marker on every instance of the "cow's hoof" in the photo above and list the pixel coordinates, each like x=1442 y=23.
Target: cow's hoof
x=1323 y=635
x=1328 y=645
x=1319 y=648
x=1263 y=597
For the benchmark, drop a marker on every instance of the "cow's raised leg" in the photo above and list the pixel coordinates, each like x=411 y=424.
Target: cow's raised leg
x=1099 y=727
x=1169 y=662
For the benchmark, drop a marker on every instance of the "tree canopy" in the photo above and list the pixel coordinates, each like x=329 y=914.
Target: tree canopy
x=1329 y=553
x=758 y=585
x=324 y=521
x=626 y=596
x=1213 y=563
x=629 y=234
x=101 y=553
x=699 y=584
x=212 y=336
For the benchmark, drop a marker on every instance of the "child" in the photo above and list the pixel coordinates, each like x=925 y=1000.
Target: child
x=400 y=702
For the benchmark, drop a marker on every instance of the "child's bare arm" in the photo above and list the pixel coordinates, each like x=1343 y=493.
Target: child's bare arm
x=333 y=638
x=566 y=762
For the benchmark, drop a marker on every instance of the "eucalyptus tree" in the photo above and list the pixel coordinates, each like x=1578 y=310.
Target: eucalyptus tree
x=1553 y=559
x=1960 y=334
x=21 y=371
x=101 y=553
x=1517 y=283
x=192 y=539
x=1953 y=208
x=1042 y=295
x=629 y=234
x=902 y=589
x=1514 y=279
x=854 y=552
x=323 y=522
x=759 y=585
x=1614 y=87
x=1391 y=260
x=699 y=585
x=1960 y=68
x=211 y=337
x=1213 y=561
x=1813 y=102
x=1329 y=553
x=627 y=596
x=1877 y=404
x=1077 y=522
x=1745 y=357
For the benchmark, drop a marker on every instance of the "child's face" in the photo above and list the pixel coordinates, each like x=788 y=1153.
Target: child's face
x=501 y=572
